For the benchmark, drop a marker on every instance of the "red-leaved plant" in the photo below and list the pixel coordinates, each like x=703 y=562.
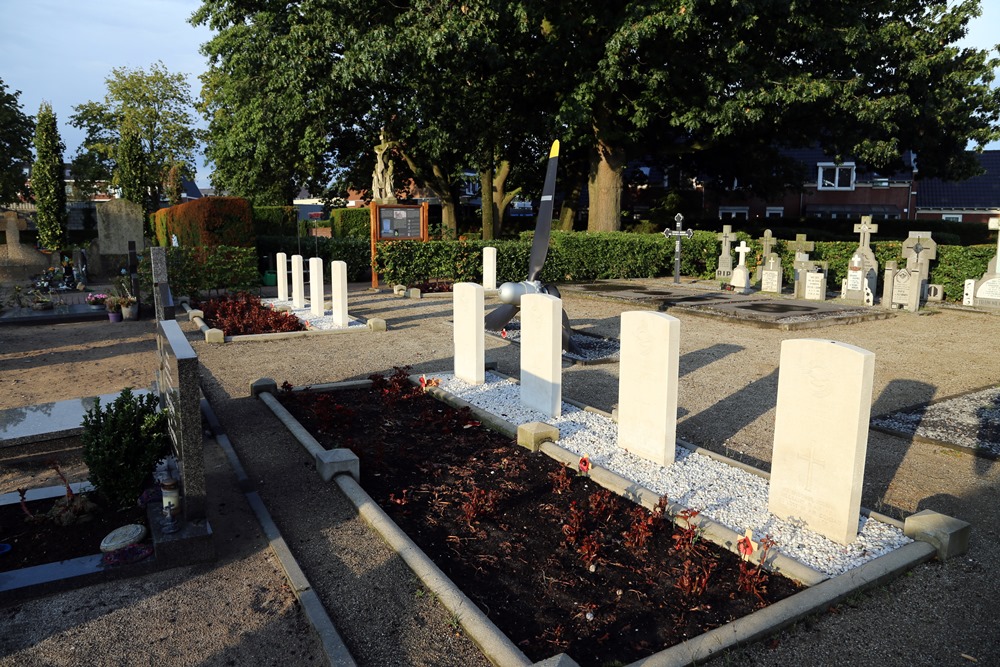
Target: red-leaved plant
x=243 y=313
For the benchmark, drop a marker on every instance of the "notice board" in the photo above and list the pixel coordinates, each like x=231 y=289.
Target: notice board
x=397 y=222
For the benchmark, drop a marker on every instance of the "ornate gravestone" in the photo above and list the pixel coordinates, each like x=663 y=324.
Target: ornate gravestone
x=920 y=261
x=740 y=281
x=771 y=276
x=862 y=268
x=985 y=292
x=767 y=247
x=904 y=288
x=677 y=234
x=725 y=268
x=804 y=266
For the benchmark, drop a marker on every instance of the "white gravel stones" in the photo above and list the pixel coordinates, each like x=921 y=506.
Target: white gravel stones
x=728 y=495
x=322 y=322
x=971 y=420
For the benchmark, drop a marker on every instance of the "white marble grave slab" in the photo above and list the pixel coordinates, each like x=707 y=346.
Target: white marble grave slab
x=541 y=353
x=489 y=268
x=469 y=305
x=316 y=286
x=338 y=293
x=647 y=385
x=821 y=435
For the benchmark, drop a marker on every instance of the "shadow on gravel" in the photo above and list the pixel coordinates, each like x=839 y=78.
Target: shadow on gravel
x=732 y=414
x=692 y=361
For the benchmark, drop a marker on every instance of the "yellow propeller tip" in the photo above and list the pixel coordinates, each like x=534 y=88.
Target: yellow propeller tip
x=554 y=151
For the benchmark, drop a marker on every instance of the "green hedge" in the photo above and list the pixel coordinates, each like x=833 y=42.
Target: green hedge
x=580 y=256
x=192 y=271
x=356 y=252
x=275 y=220
x=348 y=223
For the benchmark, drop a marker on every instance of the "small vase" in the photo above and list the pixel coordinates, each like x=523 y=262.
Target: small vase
x=130 y=312
x=115 y=316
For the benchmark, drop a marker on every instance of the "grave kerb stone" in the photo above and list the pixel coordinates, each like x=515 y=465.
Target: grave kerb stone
x=647 y=386
x=821 y=435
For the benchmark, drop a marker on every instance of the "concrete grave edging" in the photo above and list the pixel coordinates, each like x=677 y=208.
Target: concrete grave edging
x=219 y=336
x=821 y=592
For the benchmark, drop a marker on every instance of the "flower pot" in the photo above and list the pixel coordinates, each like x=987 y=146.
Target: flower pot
x=130 y=312
x=42 y=305
x=96 y=306
x=115 y=316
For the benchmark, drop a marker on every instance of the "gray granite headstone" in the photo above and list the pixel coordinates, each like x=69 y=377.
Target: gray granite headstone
x=118 y=222
x=920 y=261
x=163 y=300
x=178 y=381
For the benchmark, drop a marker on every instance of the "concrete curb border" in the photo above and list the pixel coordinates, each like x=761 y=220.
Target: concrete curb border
x=333 y=645
x=821 y=592
x=357 y=325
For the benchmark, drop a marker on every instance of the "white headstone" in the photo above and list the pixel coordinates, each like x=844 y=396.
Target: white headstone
x=541 y=353
x=298 y=283
x=469 y=307
x=969 y=295
x=316 y=286
x=338 y=293
x=740 y=280
x=647 y=385
x=489 y=268
x=821 y=435
x=815 y=286
x=282 y=259
x=771 y=275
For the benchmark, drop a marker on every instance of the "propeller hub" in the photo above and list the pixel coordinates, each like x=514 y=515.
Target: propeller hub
x=511 y=293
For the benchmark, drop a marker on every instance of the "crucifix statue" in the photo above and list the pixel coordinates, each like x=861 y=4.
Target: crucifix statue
x=677 y=234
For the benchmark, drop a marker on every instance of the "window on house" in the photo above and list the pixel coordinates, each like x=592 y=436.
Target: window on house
x=953 y=217
x=835 y=176
x=734 y=212
x=774 y=212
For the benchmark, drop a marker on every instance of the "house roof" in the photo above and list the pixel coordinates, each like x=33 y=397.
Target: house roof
x=981 y=191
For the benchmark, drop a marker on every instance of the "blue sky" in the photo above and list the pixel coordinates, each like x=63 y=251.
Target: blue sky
x=62 y=50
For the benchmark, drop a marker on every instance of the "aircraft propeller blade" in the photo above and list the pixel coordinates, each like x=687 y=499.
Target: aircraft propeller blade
x=543 y=224
x=498 y=318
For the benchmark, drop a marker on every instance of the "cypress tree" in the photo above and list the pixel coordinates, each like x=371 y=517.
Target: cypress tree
x=48 y=181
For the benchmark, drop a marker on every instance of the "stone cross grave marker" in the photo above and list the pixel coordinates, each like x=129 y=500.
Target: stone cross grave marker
x=821 y=435
x=725 y=268
x=677 y=233
x=919 y=261
x=541 y=353
x=489 y=268
x=647 y=386
x=862 y=268
x=163 y=298
x=771 y=275
x=338 y=293
x=740 y=280
x=469 y=311
x=985 y=292
x=802 y=264
x=177 y=381
x=282 y=260
x=767 y=246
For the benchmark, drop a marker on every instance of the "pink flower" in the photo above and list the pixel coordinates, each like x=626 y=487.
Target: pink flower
x=745 y=545
x=503 y=333
x=584 y=464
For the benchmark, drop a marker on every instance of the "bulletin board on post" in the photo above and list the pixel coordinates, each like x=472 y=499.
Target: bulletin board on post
x=397 y=222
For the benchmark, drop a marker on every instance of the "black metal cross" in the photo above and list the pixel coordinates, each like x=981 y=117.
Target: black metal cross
x=677 y=234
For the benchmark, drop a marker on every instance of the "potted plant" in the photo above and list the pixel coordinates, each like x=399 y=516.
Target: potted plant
x=96 y=300
x=114 y=312
x=40 y=301
x=126 y=300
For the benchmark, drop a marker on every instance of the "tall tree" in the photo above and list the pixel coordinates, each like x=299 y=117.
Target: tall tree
x=48 y=181
x=15 y=145
x=130 y=166
x=160 y=105
x=864 y=79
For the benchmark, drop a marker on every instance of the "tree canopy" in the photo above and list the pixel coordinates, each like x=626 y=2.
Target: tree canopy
x=159 y=105
x=15 y=145
x=48 y=180
x=715 y=86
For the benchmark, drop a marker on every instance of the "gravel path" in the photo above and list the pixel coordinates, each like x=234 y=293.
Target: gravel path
x=728 y=384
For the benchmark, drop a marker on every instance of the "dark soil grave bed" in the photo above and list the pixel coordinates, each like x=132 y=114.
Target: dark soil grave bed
x=557 y=563
x=244 y=314
x=44 y=541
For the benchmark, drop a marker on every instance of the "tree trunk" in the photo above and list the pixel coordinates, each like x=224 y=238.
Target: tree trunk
x=567 y=213
x=449 y=218
x=488 y=208
x=502 y=198
x=605 y=188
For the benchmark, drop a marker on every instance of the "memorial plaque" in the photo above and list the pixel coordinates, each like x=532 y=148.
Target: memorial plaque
x=815 y=286
x=901 y=287
x=399 y=223
x=770 y=281
x=989 y=289
x=855 y=279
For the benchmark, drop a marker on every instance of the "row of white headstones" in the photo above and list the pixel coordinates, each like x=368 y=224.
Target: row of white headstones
x=338 y=288
x=821 y=423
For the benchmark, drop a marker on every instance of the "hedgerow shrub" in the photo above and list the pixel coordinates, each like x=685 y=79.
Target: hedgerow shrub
x=209 y=221
x=275 y=220
x=356 y=252
x=192 y=271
